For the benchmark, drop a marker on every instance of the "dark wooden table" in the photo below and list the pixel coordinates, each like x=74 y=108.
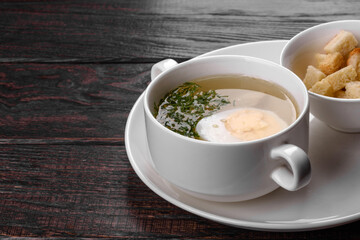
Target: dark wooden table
x=70 y=73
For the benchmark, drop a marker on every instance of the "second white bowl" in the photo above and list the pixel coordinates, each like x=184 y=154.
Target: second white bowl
x=340 y=114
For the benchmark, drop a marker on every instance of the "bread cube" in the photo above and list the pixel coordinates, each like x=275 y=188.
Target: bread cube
x=343 y=42
x=313 y=75
x=330 y=63
x=338 y=79
x=323 y=87
x=340 y=94
x=352 y=89
x=354 y=60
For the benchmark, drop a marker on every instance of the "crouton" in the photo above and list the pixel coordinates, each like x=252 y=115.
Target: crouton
x=323 y=87
x=330 y=63
x=343 y=42
x=352 y=89
x=313 y=75
x=340 y=94
x=354 y=60
x=338 y=79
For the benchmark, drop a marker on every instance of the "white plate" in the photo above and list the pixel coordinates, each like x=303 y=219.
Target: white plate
x=332 y=198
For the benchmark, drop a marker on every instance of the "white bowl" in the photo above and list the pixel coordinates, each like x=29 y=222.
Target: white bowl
x=340 y=114
x=236 y=171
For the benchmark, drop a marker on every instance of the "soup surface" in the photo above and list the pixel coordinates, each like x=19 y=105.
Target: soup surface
x=228 y=108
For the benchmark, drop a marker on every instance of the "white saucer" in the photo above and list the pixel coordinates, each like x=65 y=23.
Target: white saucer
x=332 y=198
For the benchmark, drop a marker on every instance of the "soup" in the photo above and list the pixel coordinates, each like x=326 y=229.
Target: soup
x=228 y=108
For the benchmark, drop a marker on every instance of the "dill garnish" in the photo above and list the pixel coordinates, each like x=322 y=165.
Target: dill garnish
x=182 y=108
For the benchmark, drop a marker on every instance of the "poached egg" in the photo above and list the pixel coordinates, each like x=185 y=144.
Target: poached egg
x=239 y=125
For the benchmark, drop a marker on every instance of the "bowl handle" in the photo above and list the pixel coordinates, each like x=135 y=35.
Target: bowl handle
x=298 y=175
x=162 y=66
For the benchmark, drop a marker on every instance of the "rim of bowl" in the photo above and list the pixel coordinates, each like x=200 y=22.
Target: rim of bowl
x=304 y=110
x=308 y=31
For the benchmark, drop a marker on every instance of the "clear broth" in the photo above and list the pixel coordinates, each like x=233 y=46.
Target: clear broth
x=239 y=92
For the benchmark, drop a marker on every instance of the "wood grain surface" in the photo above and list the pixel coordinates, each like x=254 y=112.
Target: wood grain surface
x=149 y=30
x=70 y=72
x=59 y=101
x=92 y=191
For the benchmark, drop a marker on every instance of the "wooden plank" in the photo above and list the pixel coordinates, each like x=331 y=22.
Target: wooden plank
x=63 y=103
x=92 y=191
x=149 y=30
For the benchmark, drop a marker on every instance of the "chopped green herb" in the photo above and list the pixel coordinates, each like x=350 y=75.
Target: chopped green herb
x=182 y=108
